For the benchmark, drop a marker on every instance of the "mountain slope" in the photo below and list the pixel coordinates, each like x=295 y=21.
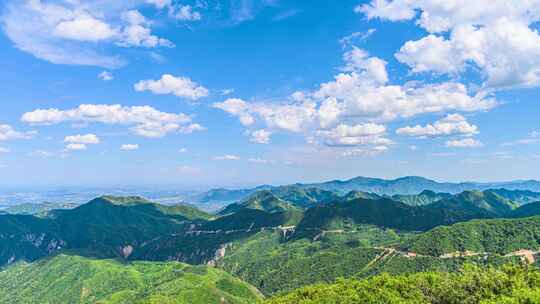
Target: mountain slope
x=426 y=197
x=487 y=202
x=471 y=285
x=263 y=200
x=73 y=279
x=499 y=236
x=382 y=212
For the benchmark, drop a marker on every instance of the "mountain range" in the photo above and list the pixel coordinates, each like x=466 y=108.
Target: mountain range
x=409 y=185
x=274 y=240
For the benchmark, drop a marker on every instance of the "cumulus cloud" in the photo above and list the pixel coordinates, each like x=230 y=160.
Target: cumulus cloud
x=236 y=107
x=452 y=124
x=7 y=132
x=495 y=37
x=169 y=84
x=186 y=13
x=129 y=147
x=91 y=139
x=105 y=76
x=464 y=143
x=227 y=157
x=260 y=136
x=354 y=135
x=84 y=28
x=359 y=98
x=137 y=32
x=72 y=32
x=144 y=120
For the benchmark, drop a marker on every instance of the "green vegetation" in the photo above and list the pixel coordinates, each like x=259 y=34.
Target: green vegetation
x=470 y=285
x=73 y=279
x=272 y=264
x=500 y=236
x=262 y=200
x=426 y=197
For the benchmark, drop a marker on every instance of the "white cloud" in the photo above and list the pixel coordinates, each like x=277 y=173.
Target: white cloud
x=129 y=147
x=356 y=37
x=4 y=150
x=391 y=10
x=145 y=120
x=186 y=13
x=260 y=136
x=236 y=107
x=76 y=147
x=354 y=135
x=7 y=133
x=182 y=150
x=84 y=28
x=91 y=139
x=169 y=84
x=105 y=76
x=227 y=157
x=452 y=124
x=497 y=38
x=464 y=143
x=360 y=96
x=137 y=33
x=76 y=33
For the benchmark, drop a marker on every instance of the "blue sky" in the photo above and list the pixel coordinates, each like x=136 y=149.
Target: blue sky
x=242 y=92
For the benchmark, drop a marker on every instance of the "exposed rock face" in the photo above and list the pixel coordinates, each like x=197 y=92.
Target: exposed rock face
x=127 y=251
x=220 y=253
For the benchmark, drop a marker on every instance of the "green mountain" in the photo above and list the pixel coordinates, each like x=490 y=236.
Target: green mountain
x=499 y=236
x=263 y=200
x=382 y=212
x=488 y=203
x=527 y=210
x=409 y=185
x=471 y=285
x=426 y=197
x=74 y=279
x=104 y=227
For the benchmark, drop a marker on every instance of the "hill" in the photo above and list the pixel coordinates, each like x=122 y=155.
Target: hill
x=384 y=212
x=426 y=197
x=104 y=227
x=74 y=279
x=499 y=236
x=488 y=203
x=263 y=200
x=471 y=285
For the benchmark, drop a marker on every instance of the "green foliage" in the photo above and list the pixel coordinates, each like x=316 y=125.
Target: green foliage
x=274 y=265
x=73 y=279
x=471 y=285
x=499 y=236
